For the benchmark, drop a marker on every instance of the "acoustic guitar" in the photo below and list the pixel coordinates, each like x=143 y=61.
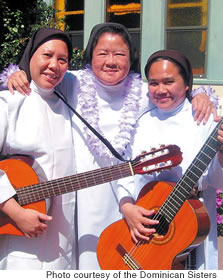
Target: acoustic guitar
x=183 y=223
x=30 y=193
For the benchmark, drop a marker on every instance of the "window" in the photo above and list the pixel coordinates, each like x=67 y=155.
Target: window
x=186 y=30
x=126 y=12
x=73 y=14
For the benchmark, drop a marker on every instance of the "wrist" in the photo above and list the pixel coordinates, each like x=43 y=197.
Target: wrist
x=11 y=208
x=126 y=207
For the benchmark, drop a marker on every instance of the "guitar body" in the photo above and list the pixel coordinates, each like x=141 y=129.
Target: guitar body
x=187 y=230
x=20 y=174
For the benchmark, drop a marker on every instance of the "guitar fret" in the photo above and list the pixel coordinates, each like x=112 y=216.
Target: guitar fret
x=48 y=192
x=188 y=178
x=164 y=214
x=205 y=165
x=171 y=211
x=51 y=191
x=179 y=198
x=206 y=155
x=168 y=217
x=102 y=177
x=119 y=175
x=194 y=174
x=214 y=139
x=197 y=167
x=183 y=187
x=76 y=183
x=112 y=177
x=176 y=199
x=211 y=148
x=180 y=190
x=65 y=186
x=93 y=178
x=52 y=188
x=28 y=197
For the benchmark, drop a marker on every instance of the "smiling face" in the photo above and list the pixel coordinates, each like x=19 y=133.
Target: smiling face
x=111 y=59
x=49 y=64
x=167 y=88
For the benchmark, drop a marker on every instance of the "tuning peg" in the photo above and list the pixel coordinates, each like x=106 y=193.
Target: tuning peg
x=162 y=146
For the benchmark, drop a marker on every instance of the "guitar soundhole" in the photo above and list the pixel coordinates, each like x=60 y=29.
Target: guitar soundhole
x=163 y=226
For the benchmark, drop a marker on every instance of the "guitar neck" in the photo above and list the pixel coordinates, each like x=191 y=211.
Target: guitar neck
x=184 y=186
x=41 y=191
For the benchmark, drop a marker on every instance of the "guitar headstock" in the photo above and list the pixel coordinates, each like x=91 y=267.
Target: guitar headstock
x=157 y=160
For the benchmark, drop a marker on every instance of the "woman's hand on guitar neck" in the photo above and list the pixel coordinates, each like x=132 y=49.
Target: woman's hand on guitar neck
x=138 y=221
x=30 y=222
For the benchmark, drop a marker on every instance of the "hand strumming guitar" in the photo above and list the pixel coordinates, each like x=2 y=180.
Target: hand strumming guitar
x=137 y=219
x=30 y=222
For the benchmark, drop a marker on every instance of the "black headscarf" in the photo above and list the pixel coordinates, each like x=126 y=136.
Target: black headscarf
x=41 y=36
x=117 y=29
x=180 y=59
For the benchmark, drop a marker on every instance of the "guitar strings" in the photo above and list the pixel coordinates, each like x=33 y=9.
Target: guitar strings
x=91 y=178
x=71 y=183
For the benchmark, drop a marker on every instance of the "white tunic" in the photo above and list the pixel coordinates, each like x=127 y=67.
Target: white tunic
x=97 y=207
x=39 y=125
x=178 y=127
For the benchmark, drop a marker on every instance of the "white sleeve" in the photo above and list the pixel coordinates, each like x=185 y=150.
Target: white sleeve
x=6 y=189
x=213 y=176
x=125 y=188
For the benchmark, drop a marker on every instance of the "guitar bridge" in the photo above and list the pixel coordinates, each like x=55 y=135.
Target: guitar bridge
x=128 y=260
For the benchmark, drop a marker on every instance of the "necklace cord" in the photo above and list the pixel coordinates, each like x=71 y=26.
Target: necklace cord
x=105 y=141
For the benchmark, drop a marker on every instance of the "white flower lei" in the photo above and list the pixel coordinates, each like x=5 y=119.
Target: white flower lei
x=88 y=101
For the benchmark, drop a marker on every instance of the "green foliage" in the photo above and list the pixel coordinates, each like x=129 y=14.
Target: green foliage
x=18 y=26
x=13 y=44
x=77 y=59
x=44 y=16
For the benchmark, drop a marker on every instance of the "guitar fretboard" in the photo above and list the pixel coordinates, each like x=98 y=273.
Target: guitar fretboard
x=183 y=187
x=68 y=184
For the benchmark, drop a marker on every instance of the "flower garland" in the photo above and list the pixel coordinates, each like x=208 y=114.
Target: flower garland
x=12 y=68
x=210 y=92
x=88 y=100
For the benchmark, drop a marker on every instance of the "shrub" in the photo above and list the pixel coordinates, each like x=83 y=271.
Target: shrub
x=18 y=26
x=77 y=59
